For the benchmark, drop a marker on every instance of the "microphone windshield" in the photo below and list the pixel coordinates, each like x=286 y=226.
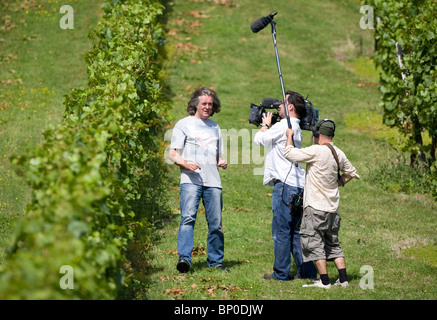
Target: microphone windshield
x=262 y=22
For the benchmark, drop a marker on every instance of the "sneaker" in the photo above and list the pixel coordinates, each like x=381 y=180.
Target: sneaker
x=318 y=284
x=183 y=266
x=341 y=284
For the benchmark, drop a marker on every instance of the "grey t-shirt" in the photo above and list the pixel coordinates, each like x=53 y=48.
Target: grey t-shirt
x=200 y=141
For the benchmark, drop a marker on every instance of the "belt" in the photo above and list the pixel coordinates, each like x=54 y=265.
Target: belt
x=275 y=181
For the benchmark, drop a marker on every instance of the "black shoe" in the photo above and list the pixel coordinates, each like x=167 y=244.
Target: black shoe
x=223 y=268
x=183 y=266
x=268 y=276
x=220 y=267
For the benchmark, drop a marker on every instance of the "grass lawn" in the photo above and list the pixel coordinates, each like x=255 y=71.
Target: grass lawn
x=323 y=53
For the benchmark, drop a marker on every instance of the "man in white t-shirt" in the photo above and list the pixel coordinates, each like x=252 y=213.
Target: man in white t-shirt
x=287 y=179
x=196 y=147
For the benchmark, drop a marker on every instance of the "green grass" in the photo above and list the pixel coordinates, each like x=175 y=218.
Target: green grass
x=39 y=64
x=212 y=45
x=320 y=55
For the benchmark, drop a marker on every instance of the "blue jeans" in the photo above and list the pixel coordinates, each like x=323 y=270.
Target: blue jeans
x=286 y=236
x=213 y=203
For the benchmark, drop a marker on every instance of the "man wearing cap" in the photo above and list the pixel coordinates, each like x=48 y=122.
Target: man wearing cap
x=321 y=221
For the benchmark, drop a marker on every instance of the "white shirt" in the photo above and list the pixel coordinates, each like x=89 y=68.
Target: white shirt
x=276 y=165
x=200 y=142
x=321 y=187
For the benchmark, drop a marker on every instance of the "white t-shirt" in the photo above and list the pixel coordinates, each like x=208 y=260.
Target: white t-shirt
x=276 y=165
x=200 y=141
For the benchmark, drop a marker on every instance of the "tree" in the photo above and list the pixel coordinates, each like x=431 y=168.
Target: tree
x=409 y=92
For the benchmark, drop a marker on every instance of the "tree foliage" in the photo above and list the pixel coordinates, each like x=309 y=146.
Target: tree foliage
x=409 y=104
x=98 y=177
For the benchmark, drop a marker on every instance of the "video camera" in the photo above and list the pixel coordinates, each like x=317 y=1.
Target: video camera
x=306 y=123
x=311 y=116
x=256 y=112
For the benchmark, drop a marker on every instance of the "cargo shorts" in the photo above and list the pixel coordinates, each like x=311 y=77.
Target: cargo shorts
x=319 y=235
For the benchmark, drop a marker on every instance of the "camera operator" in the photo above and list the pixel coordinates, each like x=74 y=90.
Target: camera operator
x=321 y=221
x=287 y=180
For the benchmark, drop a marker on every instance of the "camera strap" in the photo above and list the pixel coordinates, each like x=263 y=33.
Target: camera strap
x=340 y=180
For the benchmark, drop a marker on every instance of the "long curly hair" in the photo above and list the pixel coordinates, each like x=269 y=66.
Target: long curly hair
x=194 y=101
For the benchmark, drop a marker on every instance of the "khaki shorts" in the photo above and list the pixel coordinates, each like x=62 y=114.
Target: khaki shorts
x=319 y=235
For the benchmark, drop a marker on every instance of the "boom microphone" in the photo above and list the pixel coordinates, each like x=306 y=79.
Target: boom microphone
x=262 y=22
